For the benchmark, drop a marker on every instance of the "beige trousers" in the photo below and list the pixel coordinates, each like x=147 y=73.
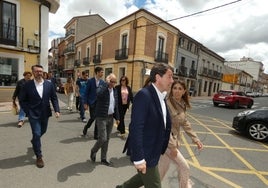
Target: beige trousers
x=181 y=166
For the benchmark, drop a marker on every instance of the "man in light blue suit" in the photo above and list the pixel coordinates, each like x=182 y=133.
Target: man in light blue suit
x=35 y=100
x=149 y=129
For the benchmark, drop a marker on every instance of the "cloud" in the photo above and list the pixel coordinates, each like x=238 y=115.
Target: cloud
x=233 y=31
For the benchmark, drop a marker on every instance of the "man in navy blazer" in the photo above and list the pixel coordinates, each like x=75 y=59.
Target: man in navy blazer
x=90 y=99
x=149 y=129
x=35 y=100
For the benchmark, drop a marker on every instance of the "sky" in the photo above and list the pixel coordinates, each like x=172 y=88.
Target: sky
x=237 y=30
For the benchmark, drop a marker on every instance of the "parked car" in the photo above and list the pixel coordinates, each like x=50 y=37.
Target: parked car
x=60 y=84
x=232 y=98
x=254 y=123
x=251 y=94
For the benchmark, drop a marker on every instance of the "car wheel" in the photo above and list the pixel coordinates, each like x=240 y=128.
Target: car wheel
x=258 y=131
x=250 y=104
x=236 y=104
x=216 y=104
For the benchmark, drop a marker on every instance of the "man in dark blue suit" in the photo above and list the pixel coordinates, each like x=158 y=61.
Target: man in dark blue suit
x=90 y=99
x=35 y=100
x=149 y=129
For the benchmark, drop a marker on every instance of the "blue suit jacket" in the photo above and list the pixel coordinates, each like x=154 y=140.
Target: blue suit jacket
x=91 y=91
x=148 y=135
x=36 y=107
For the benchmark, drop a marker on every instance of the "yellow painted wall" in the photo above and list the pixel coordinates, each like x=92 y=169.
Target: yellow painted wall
x=29 y=19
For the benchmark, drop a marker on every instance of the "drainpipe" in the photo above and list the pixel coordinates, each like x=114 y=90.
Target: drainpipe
x=134 y=50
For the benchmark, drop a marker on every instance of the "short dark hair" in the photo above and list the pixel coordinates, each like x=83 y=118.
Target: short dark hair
x=39 y=66
x=27 y=72
x=160 y=69
x=98 y=69
x=84 y=72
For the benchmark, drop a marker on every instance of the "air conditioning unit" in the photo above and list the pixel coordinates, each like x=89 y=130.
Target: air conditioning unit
x=30 y=43
x=36 y=44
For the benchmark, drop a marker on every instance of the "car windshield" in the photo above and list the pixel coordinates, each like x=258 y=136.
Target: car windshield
x=225 y=93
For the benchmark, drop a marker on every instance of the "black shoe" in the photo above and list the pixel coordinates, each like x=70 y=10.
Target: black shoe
x=93 y=156
x=84 y=132
x=105 y=162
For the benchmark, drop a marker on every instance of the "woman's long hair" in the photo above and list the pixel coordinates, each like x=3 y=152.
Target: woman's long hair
x=185 y=96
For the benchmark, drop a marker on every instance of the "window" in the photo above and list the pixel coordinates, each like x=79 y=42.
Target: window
x=124 y=41
x=108 y=71
x=183 y=61
x=193 y=65
x=181 y=42
x=8 y=71
x=205 y=86
x=161 y=41
x=88 y=52
x=8 y=23
x=122 y=72
x=99 y=49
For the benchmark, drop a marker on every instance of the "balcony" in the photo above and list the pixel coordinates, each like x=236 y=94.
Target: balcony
x=86 y=61
x=69 y=50
x=192 y=73
x=182 y=71
x=11 y=35
x=77 y=63
x=97 y=59
x=161 y=57
x=69 y=33
x=121 y=54
x=204 y=71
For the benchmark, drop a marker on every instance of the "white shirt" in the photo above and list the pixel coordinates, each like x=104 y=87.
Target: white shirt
x=39 y=87
x=112 y=102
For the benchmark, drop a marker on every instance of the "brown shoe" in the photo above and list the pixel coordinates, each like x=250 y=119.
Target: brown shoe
x=40 y=162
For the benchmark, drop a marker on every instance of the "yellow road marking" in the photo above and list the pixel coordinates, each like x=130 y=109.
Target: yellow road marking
x=215 y=175
x=262 y=178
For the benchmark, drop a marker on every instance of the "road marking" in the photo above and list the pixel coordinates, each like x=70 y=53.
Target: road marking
x=245 y=162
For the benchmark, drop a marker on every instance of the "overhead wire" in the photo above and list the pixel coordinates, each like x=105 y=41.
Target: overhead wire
x=193 y=14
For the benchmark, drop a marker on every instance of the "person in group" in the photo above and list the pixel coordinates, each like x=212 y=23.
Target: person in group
x=90 y=99
x=52 y=79
x=125 y=96
x=178 y=102
x=20 y=84
x=106 y=111
x=149 y=128
x=69 y=89
x=77 y=101
x=35 y=101
x=81 y=89
x=45 y=75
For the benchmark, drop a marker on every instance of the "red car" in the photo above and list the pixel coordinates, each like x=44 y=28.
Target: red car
x=232 y=98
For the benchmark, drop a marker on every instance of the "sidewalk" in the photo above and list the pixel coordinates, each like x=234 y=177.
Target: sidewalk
x=7 y=106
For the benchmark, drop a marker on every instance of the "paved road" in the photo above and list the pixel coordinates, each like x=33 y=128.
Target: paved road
x=67 y=163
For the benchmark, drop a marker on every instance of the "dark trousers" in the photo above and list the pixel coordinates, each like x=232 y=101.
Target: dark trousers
x=39 y=127
x=149 y=180
x=77 y=103
x=92 y=112
x=81 y=108
x=122 y=112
